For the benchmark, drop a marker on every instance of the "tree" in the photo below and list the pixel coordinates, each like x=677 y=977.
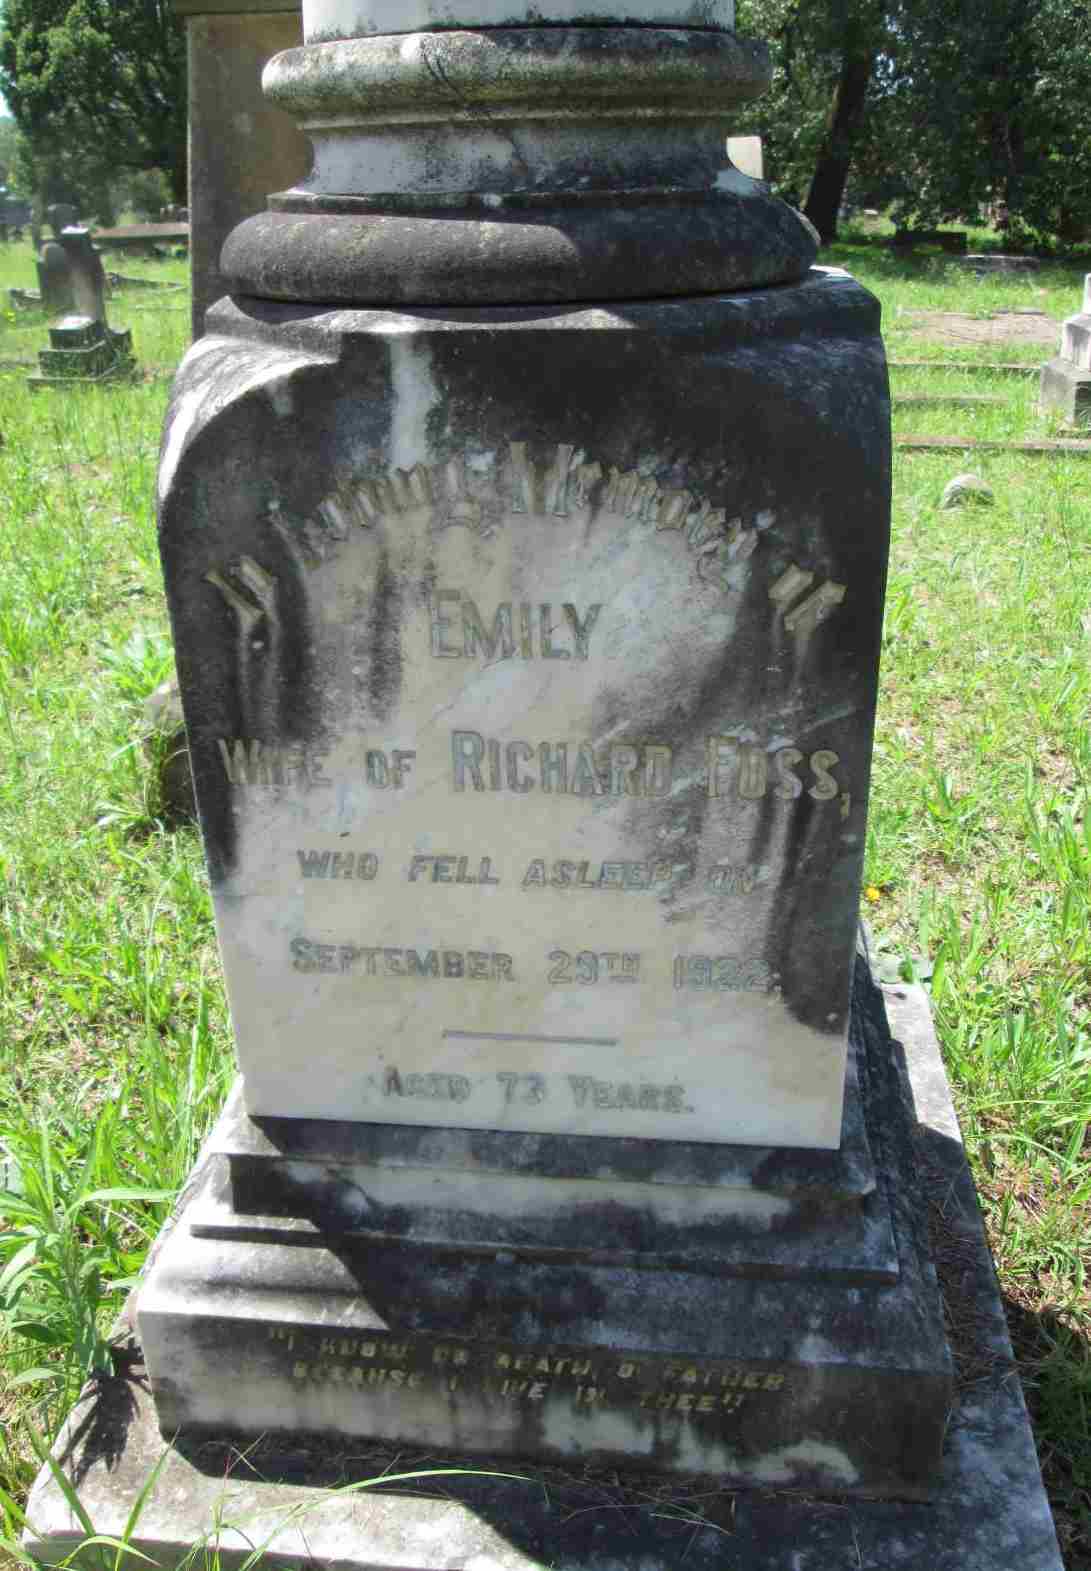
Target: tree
x=826 y=58
x=945 y=109
x=1006 y=85
x=96 y=85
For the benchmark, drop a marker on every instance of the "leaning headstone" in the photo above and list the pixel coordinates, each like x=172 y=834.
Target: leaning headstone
x=86 y=273
x=54 y=275
x=524 y=519
x=1066 y=379
x=55 y=279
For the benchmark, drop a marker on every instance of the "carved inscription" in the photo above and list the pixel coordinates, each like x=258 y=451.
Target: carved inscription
x=728 y=880
x=603 y=875
x=470 y=871
x=415 y=965
x=452 y=869
x=519 y=629
x=253 y=763
x=802 y=611
x=628 y=1095
x=576 y=968
x=362 y=865
x=722 y=974
x=743 y=767
x=587 y=968
x=691 y=1391
x=481 y=763
x=737 y=767
x=481 y=491
x=428 y=1087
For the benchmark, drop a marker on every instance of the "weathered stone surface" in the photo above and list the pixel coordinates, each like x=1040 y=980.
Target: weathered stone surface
x=989 y=1510
x=167 y=752
x=745 y=153
x=1067 y=389
x=583 y=163
x=324 y=19
x=241 y=146
x=1076 y=341
x=82 y=349
x=998 y=262
x=531 y=735
x=966 y=488
x=701 y=1207
x=86 y=272
x=768 y=1377
x=1066 y=379
x=54 y=280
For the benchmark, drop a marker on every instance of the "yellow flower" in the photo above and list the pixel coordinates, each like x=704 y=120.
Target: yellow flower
x=872 y=894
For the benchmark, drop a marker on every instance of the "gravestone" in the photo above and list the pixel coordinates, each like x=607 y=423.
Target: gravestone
x=1066 y=379
x=530 y=711
x=83 y=348
x=241 y=146
x=54 y=273
x=524 y=520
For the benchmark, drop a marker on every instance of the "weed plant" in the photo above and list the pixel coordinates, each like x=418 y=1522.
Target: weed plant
x=114 y=1047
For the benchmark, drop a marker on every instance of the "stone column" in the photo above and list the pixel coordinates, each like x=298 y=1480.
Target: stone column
x=524 y=518
x=241 y=146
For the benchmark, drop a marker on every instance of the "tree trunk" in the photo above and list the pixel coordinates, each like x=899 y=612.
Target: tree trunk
x=835 y=153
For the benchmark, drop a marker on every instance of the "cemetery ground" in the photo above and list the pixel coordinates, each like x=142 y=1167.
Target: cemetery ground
x=115 y=1048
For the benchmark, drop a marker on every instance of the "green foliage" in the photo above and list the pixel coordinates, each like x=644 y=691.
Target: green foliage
x=811 y=45
x=64 y=1246
x=970 y=107
x=991 y=107
x=95 y=86
x=146 y=193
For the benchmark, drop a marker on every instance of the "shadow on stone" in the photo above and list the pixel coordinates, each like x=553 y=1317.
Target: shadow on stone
x=102 y=1434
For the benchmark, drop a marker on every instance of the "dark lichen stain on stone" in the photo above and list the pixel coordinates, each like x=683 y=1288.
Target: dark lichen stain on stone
x=383 y=680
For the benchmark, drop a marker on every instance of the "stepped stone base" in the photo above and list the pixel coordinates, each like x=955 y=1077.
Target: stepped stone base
x=988 y=1512
x=765 y=1365
x=83 y=350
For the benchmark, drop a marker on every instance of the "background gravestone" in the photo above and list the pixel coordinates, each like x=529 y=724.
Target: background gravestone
x=54 y=269
x=82 y=347
x=1066 y=379
x=241 y=146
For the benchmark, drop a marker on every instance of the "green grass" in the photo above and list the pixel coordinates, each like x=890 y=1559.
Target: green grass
x=114 y=1044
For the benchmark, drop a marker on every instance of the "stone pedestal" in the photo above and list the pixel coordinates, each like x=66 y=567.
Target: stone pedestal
x=241 y=146
x=327 y=1506
x=1066 y=380
x=751 y=1337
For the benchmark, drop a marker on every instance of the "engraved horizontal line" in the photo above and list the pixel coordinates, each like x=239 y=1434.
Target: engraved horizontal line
x=509 y=1036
